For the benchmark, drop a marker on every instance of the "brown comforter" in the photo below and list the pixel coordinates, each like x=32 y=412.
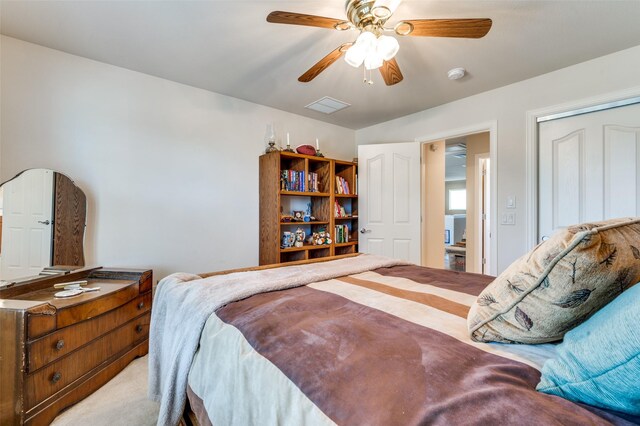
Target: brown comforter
x=385 y=347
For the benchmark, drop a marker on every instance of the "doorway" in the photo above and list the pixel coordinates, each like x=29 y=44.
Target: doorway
x=456 y=203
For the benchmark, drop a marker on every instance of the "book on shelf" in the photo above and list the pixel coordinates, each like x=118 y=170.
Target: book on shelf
x=313 y=182
x=339 y=210
x=342 y=234
x=342 y=186
x=292 y=180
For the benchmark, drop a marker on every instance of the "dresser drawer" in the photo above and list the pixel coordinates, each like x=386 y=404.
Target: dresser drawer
x=55 y=345
x=55 y=376
x=62 y=313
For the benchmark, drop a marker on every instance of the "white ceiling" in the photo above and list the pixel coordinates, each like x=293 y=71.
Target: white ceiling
x=455 y=168
x=226 y=46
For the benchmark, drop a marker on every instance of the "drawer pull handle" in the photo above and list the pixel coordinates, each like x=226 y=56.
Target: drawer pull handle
x=60 y=344
x=138 y=328
x=140 y=305
x=56 y=377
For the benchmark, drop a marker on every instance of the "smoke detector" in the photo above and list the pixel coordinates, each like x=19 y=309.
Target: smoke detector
x=456 y=73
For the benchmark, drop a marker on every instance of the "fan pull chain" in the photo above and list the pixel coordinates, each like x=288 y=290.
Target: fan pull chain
x=364 y=73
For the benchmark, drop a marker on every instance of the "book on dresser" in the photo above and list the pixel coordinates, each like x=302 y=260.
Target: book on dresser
x=324 y=189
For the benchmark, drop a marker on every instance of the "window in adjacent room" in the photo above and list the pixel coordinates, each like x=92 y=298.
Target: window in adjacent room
x=457 y=199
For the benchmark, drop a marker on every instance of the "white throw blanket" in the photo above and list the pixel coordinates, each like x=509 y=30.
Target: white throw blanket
x=183 y=303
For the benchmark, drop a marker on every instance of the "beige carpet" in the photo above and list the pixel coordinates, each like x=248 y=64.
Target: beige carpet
x=122 y=401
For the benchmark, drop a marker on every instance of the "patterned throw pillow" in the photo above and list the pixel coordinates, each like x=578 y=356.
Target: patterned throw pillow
x=559 y=284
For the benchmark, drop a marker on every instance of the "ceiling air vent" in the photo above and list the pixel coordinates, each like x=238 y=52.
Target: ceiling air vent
x=327 y=105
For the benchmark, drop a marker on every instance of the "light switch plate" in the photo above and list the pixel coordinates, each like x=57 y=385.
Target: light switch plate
x=508 y=218
x=511 y=202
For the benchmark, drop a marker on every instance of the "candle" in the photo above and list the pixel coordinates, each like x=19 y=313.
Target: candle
x=317 y=145
x=288 y=144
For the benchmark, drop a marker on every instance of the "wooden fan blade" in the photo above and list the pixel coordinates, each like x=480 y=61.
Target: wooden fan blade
x=464 y=28
x=324 y=63
x=391 y=72
x=292 y=18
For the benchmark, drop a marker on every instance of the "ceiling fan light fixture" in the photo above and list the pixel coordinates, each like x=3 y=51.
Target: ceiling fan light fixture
x=387 y=47
x=371 y=50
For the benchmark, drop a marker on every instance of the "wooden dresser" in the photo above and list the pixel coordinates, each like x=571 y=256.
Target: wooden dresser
x=55 y=352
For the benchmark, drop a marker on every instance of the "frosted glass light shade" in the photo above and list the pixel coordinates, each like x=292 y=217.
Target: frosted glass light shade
x=367 y=40
x=373 y=61
x=355 y=55
x=387 y=47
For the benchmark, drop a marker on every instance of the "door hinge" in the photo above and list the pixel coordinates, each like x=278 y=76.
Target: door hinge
x=484 y=261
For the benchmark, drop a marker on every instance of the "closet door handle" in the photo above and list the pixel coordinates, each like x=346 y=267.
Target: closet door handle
x=364 y=230
x=44 y=222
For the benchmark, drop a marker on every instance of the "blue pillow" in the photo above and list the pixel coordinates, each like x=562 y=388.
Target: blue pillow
x=598 y=363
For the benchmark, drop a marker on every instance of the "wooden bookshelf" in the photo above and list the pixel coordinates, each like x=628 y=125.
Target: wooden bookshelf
x=277 y=200
x=347 y=172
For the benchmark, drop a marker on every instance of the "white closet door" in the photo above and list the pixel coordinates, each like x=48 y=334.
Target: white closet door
x=389 y=207
x=589 y=168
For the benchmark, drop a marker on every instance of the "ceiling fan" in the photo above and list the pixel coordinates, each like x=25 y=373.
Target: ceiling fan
x=373 y=48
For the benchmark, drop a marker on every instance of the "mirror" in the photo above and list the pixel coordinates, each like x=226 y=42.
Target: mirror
x=42 y=224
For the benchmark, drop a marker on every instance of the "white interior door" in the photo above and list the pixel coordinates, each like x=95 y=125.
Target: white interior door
x=389 y=192
x=589 y=168
x=27 y=224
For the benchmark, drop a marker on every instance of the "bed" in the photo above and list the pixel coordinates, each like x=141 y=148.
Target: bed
x=356 y=341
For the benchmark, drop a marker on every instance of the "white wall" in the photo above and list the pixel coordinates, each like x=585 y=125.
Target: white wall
x=509 y=105
x=170 y=171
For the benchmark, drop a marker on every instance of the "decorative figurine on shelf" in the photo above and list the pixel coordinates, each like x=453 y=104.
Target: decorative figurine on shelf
x=313 y=239
x=288 y=239
x=270 y=136
x=321 y=237
x=307 y=216
x=298 y=215
x=300 y=235
x=325 y=236
x=288 y=148
x=318 y=153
